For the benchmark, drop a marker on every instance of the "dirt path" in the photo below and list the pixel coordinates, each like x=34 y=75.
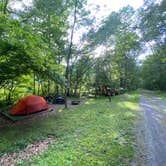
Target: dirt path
x=31 y=150
x=152 y=131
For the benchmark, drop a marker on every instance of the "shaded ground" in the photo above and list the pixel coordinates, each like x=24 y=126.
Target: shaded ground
x=6 y=122
x=52 y=109
x=152 y=131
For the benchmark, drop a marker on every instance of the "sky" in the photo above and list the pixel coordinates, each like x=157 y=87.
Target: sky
x=112 y=5
x=18 y=5
x=116 y=4
x=108 y=6
x=105 y=8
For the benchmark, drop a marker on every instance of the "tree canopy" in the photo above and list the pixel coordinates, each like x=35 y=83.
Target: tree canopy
x=38 y=44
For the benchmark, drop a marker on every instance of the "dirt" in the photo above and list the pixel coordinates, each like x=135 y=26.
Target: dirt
x=151 y=133
x=31 y=150
x=52 y=109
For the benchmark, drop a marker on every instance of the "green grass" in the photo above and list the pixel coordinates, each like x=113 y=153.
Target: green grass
x=95 y=133
x=160 y=94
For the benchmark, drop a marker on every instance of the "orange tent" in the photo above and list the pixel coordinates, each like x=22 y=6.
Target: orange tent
x=29 y=105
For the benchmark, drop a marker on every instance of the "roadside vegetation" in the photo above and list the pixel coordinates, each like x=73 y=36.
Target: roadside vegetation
x=160 y=94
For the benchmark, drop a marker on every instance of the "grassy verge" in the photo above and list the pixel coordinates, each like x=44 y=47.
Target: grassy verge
x=96 y=133
x=160 y=94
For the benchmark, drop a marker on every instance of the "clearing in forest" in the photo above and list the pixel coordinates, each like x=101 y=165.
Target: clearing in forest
x=98 y=132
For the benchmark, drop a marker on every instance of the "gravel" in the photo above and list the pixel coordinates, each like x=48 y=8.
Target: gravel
x=153 y=131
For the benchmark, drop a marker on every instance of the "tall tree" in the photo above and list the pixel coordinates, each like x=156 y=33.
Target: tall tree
x=121 y=42
x=152 y=26
x=78 y=17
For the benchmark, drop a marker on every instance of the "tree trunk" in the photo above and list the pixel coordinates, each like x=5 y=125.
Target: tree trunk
x=34 y=85
x=67 y=89
x=75 y=89
x=48 y=87
x=57 y=89
x=10 y=93
x=42 y=88
x=126 y=73
x=76 y=85
x=38 y=89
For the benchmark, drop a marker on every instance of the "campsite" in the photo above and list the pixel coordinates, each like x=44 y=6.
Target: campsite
x=82 y=83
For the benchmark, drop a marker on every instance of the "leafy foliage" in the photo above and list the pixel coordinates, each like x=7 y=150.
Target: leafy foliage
x=152 y=23
x=118 y=67
x=19 y=49
x=153 y=70
x=153 y=29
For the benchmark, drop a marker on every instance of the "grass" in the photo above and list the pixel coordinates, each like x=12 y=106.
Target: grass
x=158 y=93
x=161 y=94
x=95 y=133
x=159 y=107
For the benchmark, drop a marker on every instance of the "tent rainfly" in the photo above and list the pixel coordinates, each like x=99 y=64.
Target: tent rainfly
x=29 y=105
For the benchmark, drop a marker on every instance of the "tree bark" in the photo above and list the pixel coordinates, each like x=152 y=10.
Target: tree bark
x=34 y=85
x=38 y=89
x=67 y=89
x=48 y=86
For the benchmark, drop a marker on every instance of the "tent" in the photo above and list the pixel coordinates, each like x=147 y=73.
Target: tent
x=29 y=105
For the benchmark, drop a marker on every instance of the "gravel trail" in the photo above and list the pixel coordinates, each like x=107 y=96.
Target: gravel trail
x=153 y=136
